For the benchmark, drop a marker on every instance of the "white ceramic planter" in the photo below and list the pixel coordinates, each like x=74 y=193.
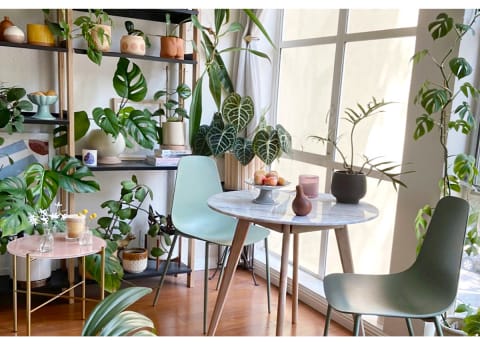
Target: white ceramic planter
x=105 y=44
x=134 y=260
x=40 y=269
x=134 y=45
x=108 y=149
x=173 y=133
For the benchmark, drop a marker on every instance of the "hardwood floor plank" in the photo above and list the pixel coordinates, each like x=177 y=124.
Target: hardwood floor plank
x=179 y=311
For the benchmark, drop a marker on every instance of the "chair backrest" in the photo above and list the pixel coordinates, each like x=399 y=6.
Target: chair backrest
x=197 y=179
x=440 y=257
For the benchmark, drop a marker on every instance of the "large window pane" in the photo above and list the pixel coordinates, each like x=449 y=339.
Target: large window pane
x=382 y=69
x=301 y=24
x=305 y=87
x=361 y=20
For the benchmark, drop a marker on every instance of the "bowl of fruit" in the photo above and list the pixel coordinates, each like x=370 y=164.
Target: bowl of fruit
x=266 y=182
x=43 y=100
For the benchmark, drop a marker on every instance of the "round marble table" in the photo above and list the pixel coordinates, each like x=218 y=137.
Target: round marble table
x=326 y=214
x=28 y=247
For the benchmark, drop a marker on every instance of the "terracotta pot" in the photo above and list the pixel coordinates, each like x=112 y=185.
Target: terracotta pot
x=172 y=47
x=99 y=44
x=134 y=45
x=348 y=187
x=134 y=260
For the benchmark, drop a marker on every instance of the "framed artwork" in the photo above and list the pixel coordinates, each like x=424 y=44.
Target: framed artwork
x=24 y=149
x=137 y=152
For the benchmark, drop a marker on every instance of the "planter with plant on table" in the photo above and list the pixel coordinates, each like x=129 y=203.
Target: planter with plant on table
x=349 y=185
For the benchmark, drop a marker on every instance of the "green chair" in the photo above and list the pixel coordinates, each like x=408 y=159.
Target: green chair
x=424 y=291
x=197 y=179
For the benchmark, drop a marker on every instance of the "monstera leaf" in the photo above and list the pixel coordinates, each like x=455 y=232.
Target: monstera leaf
x=221 y=141
x=243 y=150
x=238 y=111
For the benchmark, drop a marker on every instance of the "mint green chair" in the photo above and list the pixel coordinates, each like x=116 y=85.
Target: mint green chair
x=424 y=291
x=197 y=179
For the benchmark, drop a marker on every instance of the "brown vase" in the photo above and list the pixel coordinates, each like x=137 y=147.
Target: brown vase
x=301 y=205
x=5 y=23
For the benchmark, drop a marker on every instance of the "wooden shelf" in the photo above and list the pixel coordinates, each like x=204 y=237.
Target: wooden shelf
x=188 y=57
x=32 y=46
x=29 y=120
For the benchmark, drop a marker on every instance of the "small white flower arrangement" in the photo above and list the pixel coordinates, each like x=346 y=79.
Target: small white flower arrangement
x=44 y=219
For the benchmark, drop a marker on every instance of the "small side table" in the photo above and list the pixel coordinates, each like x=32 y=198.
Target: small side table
x=27 y=247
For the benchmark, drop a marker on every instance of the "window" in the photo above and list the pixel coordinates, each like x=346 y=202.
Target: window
x=330 y=60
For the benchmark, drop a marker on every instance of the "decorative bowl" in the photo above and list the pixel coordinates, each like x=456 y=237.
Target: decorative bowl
x=265 y=196
x=43 y=103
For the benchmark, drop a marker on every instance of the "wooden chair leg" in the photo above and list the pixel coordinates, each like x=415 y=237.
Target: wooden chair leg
x=357 y=319
x=165 y=270
x=327 y=320
x=409 y=327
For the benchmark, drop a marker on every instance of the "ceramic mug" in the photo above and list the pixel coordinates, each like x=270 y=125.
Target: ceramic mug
x=89 y=157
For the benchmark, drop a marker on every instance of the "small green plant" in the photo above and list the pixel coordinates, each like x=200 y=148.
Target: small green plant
x=172 y=109
x=355 y=117
x=11 y=106
x=130 y=27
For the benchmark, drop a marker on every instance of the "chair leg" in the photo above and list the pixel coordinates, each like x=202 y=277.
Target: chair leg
x=327 y=320
x=165 y=270
x=357 y=320
x=222 y=268
x=438 y=327
x=409 y=327
x=205 y=289
x=267 y=273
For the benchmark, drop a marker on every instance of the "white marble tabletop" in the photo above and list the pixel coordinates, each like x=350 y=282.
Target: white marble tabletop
x=62 y=248
x=325 y=210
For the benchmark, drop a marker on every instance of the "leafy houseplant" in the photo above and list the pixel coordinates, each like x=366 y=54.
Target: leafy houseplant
x=11 y=106
x=436 y=100
x=385 y=168
x=109 y=317
x=225 y=134
x=171 y=46
x=22 y=196
x=116 y=230
x=219 y=78
x=131 y=31
x=95 y=28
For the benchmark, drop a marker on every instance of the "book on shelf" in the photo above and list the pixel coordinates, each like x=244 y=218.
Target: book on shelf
x=172 y=152
x=161 y=161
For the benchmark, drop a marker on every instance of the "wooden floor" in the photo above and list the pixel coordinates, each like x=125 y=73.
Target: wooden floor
x=179 y=311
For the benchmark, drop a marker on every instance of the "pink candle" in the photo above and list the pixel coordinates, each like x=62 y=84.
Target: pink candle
x=310 y=184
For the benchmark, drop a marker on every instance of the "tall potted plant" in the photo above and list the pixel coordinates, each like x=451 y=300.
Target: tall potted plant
x=171 y=46
x=349 y=185
x=437 y=116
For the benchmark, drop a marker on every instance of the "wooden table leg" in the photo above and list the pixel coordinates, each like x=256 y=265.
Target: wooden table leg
x=296 y=238
x=282 y=292
x=15 y=295
x=235 y=252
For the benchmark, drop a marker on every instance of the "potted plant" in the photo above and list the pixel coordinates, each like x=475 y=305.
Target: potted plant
x=172 y=113
x=467 y=323
x=96 y=29
x=171 y=46
x=438 y=117
x=11 y=106
x=349 y=184
x=135 y=41
x=115 y=228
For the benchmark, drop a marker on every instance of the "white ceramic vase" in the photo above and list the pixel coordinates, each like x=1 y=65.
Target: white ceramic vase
x=134 y=45
x=108 y=148
x=173 y=133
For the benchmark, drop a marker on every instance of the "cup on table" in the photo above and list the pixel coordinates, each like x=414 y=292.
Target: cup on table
x=75 y=226
x=309 y=183
x=89 y=157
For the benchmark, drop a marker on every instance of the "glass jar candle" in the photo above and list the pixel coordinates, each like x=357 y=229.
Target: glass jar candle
x=75 y=226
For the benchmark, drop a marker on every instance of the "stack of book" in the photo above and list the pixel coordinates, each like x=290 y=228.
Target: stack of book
x=167 y=157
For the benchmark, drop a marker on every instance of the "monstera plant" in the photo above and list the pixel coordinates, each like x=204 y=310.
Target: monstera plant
x=226 y=133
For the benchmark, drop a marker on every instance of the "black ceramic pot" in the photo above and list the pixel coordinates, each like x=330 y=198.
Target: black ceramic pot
x=348 y=187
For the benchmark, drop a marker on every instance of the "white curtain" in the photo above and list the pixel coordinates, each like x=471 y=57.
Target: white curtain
x=251 y=74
